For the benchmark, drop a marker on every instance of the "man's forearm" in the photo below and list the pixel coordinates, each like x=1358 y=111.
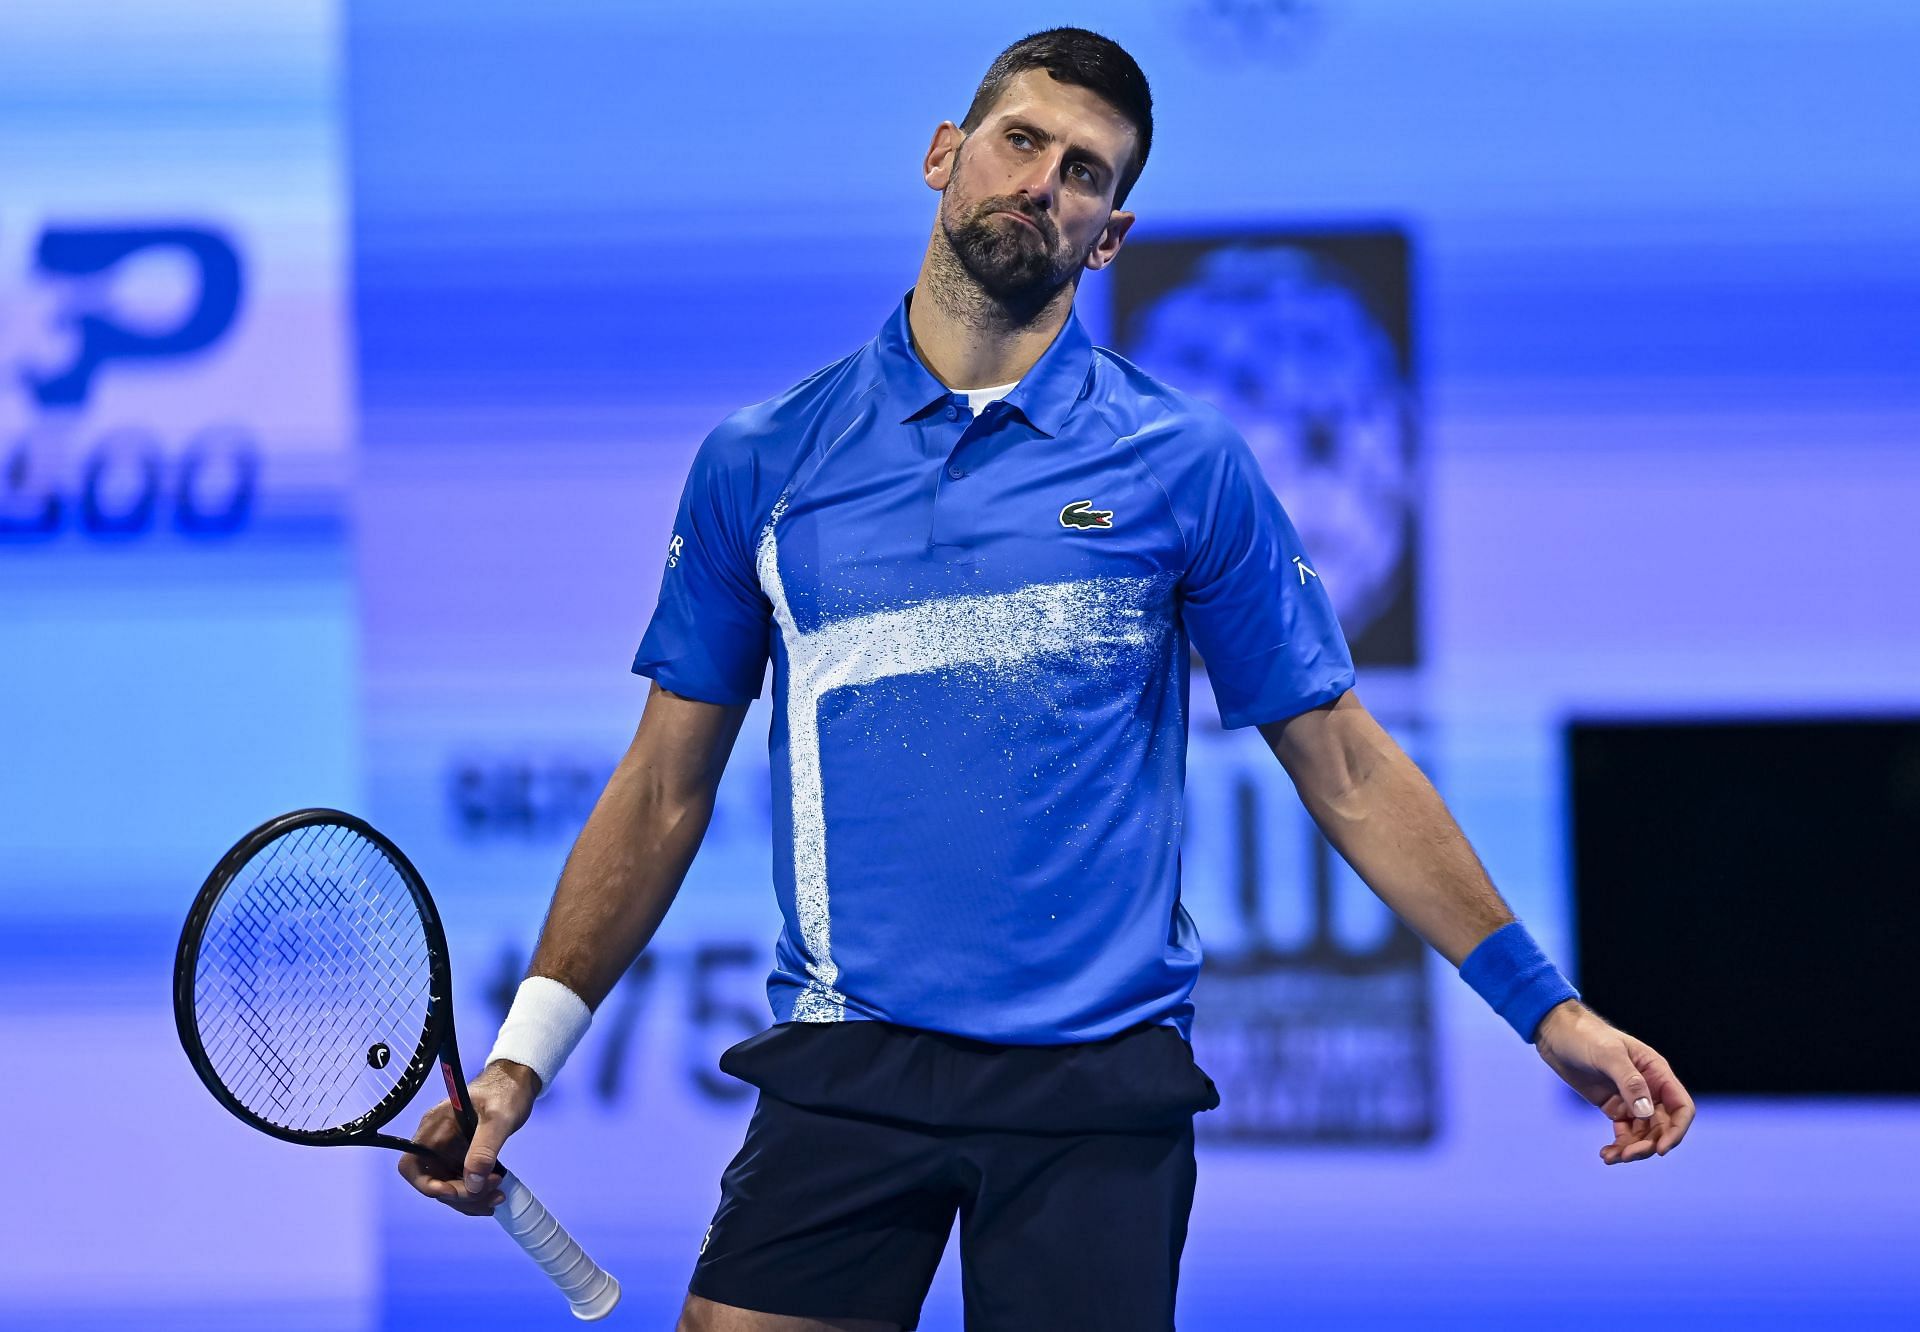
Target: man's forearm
x=621 y=876
x=1382 y=814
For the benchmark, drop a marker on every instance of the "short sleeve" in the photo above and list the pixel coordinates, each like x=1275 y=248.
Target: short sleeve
x=708 y=638
x=1255 y=606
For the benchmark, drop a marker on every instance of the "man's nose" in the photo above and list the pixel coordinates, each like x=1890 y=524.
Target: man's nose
x=1040 y=181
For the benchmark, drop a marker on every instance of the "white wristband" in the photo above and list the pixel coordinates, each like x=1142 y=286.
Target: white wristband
x=546 y=1021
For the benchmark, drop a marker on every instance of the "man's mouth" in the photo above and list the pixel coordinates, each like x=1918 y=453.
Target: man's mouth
x=1021 y=217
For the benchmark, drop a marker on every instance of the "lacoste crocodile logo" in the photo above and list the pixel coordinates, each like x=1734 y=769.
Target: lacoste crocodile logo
x=1081 y=513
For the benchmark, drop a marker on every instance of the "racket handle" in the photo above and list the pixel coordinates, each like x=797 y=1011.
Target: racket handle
x=589 y=1288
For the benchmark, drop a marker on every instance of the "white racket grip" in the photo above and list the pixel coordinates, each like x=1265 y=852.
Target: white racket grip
x=589 y=1288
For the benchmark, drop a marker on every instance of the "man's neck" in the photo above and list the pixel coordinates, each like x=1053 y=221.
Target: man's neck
x=969 y=340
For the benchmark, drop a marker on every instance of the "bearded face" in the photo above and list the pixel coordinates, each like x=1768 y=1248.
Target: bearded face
x=1012 y=249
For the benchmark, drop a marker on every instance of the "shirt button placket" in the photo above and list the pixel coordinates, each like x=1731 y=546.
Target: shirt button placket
x=955 y=412
x=950 y=526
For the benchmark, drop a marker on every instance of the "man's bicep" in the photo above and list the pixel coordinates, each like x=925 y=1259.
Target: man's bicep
x=1327 y=749
x=682 y=742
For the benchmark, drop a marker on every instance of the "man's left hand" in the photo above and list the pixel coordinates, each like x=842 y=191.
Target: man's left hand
x=1626 y=1078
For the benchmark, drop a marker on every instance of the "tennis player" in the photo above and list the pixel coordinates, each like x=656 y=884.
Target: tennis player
x=977 y=551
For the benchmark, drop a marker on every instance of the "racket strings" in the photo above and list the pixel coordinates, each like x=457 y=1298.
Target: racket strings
x=231 y=1010
x=332 y=958
x=383 y=915
x=338 y=966
x=313 y=980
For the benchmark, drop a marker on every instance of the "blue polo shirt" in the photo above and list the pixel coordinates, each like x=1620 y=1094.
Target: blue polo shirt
x=979 y=628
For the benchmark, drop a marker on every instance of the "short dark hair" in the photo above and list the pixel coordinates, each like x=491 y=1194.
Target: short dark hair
x=1086 y=60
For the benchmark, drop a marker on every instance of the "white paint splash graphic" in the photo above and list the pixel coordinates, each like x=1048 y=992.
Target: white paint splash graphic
x=1080 y=621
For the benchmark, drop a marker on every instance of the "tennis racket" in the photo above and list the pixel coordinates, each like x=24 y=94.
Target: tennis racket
x=313 y=995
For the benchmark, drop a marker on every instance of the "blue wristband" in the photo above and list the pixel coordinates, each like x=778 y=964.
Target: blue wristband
x=1509 y=971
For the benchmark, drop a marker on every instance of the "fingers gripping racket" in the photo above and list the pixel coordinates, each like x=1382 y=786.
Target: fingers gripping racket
x=313 y=995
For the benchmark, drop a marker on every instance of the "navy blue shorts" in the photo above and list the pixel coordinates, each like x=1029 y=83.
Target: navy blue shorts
x=1070 y=1168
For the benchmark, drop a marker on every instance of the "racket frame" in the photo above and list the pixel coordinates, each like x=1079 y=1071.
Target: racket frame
x=437 y=1040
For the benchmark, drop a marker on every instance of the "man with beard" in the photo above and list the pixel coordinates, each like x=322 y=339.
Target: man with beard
x=979 y=603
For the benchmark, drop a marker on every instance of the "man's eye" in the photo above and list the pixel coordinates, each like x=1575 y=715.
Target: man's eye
x=1087 y=175
x=1016 y=135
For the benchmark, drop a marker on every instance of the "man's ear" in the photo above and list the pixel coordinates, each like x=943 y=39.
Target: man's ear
x=942 y=153
x=1107 y=248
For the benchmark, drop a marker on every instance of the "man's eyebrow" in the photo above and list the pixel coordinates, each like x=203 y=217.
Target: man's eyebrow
x=1043 y=138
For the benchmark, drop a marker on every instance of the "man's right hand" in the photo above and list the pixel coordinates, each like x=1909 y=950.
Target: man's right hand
x=465 y=1175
